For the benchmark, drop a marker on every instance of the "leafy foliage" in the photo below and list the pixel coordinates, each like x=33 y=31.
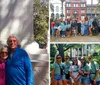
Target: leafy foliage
x=53 y=50
x=40 y=19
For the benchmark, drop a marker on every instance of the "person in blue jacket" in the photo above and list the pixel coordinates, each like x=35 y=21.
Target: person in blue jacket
x=18 y=65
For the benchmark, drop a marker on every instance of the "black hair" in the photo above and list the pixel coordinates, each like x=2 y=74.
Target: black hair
x=73 y=61
x=58 y=55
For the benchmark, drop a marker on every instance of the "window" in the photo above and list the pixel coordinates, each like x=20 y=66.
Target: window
x=57 y=15
x=83 y=0
x=68 y=11
x=57 y=9
x=75 y=5
x=88 y=9
x=68 y=16
x=83 y=5
x=52 y=15
x=83 y=11
x=82 y=17
x=68 y=5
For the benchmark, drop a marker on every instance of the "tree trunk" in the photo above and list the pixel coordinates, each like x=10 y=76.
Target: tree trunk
x=61 y=51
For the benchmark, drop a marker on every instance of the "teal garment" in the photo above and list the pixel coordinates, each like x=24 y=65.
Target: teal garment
x=57 y=67
x=74 y=68
x=66 y=67
x=68 y=26
x=63 y=26
x=85 y=69
x=94 y=67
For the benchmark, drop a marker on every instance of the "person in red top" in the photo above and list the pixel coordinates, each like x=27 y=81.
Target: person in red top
x=3 y=57
x=52 y=27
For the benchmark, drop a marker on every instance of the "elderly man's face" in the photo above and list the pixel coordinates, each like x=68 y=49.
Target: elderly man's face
x=12 y=42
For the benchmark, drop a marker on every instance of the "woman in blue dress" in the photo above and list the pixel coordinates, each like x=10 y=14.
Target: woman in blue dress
x=82 y=27
x=86 y=30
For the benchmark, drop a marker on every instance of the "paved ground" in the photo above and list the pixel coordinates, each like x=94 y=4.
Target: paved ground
x=76 y=39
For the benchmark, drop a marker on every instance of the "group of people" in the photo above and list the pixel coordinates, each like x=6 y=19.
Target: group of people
x=15 y=64
x=75 y=73
x=72 y=27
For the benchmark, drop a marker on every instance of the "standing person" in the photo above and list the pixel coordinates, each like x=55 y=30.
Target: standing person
x=99 y=26
x=68 y=28
x=86 y=30
x=94 y=71
x=3 y=57
x=66 y=66
x=18 y=65
x=73 y=26
x=63 y=28
x=79 y=27
x=57 y=72
x=95 y=27
x=74 y=72
x=82 y=27
x=84 y=72
x=52 y=27
x=90 y=26
x=57 y=27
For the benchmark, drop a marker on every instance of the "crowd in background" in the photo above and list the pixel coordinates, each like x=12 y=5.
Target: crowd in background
x=75 y=72
x=73 y=27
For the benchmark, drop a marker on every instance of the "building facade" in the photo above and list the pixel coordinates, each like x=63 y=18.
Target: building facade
x=92 y=10
x=56 y=9
x=75 y=9
x=86 y=50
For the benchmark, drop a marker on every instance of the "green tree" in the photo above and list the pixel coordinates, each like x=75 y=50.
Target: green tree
x=40 y=20
x=62 y=49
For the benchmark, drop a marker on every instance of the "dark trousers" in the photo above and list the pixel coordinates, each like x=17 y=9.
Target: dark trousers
x=95 y=31
x=97 y=83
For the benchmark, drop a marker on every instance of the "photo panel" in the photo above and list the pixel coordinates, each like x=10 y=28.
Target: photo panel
x=27 y=21
x=74 y=64
x=74 y=20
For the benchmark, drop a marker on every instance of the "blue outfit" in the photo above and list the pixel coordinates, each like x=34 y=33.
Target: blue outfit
x=85 y=79
x=66 y=67
x=63 y=26
x=90 y=22
x=57 y=73
x=82 y=28
x=86 y=31
x=19 y=69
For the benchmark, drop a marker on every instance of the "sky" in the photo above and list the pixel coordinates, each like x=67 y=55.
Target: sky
x=89 y=1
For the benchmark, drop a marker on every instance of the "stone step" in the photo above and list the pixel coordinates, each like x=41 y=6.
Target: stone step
x=39 y=57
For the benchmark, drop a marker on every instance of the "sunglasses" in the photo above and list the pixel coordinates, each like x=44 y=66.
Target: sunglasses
x=75 y=60
x=82 y=59
x=58 y=58
x=66 y=58
x=4 y=52
x=89 y=58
